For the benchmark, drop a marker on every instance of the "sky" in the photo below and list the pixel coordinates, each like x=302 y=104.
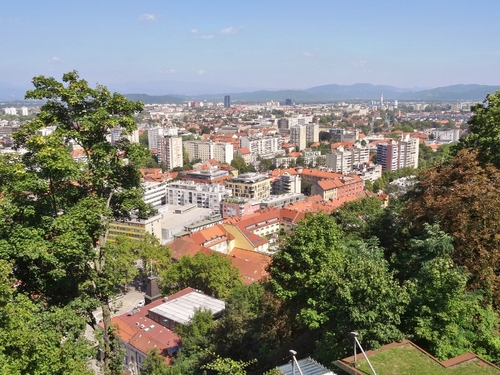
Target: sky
x=257 y=44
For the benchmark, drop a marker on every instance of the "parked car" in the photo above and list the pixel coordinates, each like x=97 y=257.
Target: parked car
x=141 y=303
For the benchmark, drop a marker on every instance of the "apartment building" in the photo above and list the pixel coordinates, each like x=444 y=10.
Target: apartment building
x=250 y=185
x=312 y=132
x=220 y=151
x=203 y=195
x=170 y=152
x=154 y=134
x=154 y=193
x=342 y=160
x=266 y=147
x=287 y=183
x=393 y=155
x=298 y=135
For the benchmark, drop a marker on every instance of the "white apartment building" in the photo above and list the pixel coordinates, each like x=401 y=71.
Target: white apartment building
x=220 y=151
x=116 y=134
x=298 y=135
x=154 y=134
x=342 y=160
x=266 y=147
x=203 y=195
x=170 y=152
x=439 y=135
x=24 y=111
x=154 y=193
x=10 y=111
x=312 y=132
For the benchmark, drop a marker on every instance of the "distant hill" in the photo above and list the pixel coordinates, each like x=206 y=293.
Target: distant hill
x=177 y=93
x=330 y=93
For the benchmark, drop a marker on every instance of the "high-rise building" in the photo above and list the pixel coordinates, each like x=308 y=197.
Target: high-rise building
x=227 y=101
x=170 y=152
x=298 y=136
x=394 y=155
x=312 y=132
x=288 y=101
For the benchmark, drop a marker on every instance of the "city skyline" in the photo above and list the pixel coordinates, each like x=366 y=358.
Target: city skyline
x=260 y=45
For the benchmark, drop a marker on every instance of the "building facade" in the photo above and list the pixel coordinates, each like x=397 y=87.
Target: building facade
x=203 y=195
x=393 y=155
x=220 y=151
x=170 y=152
x=250 y=186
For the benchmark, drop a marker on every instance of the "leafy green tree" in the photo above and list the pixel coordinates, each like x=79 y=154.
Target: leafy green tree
x=214 y=274
x=239 y=163
x=35 y=339
x=443 y=317
x=357 y=218
x=143 y=139
x=485 y=130
x=55 y=230
x=338 y=288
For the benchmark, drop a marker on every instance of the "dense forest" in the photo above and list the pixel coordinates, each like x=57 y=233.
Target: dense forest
x=424 y=268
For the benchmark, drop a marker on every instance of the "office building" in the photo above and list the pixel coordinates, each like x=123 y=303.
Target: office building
x=227 y=101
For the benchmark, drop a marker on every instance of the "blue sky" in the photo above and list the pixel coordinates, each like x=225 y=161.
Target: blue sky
x=253 y=44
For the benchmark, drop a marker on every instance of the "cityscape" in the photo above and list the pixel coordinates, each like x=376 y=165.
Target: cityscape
x=278 y=189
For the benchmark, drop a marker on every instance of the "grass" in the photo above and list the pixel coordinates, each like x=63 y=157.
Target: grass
x=407 y=360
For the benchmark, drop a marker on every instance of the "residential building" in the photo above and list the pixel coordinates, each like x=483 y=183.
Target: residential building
x=441 y=135
x=312 y=132
x=202 y=194
x=170 y=152
x=250 y=186
x=154 y=134
x=281 y=200
x=154 y=193
x=393 y=155
x=151 y=327
x=238 y=207
x=346 y=186
x=212 y=175
x=298 y=134
x=220 y=151
x=265 y=147
x=287 y=183
x=342 y=160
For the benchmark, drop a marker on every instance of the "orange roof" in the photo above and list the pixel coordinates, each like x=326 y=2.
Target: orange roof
x=186 y=246
x=244 y=151
x=252 y=265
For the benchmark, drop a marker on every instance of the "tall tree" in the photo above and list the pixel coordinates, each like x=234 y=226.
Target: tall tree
x=484 y=126
x=337 y=287
x=61 y=208
x=463 y=195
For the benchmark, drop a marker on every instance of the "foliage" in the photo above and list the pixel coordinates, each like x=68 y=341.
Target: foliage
x=154 y=364
x=338 y=288
x=443 y=317
x=485 y=130
x=239 y=163
x=463 y=196
x=35 y=339
x=58 y=209
x=227 y=366
x=214 y=274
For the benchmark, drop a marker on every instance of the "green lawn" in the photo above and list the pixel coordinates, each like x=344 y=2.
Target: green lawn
x=406 y=360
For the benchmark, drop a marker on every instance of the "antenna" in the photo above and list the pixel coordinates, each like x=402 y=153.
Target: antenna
x=356 y=341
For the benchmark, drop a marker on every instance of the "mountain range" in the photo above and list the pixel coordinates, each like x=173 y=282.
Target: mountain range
x=178 y=92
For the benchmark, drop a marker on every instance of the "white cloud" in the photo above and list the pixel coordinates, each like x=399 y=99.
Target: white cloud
x=308 y=54
x=208 y=36
x=171 y=71
x=229 y=30
x=148 y=17
x=55 y=59
x=194 y=31
x=201 y=72
x=359 y=64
